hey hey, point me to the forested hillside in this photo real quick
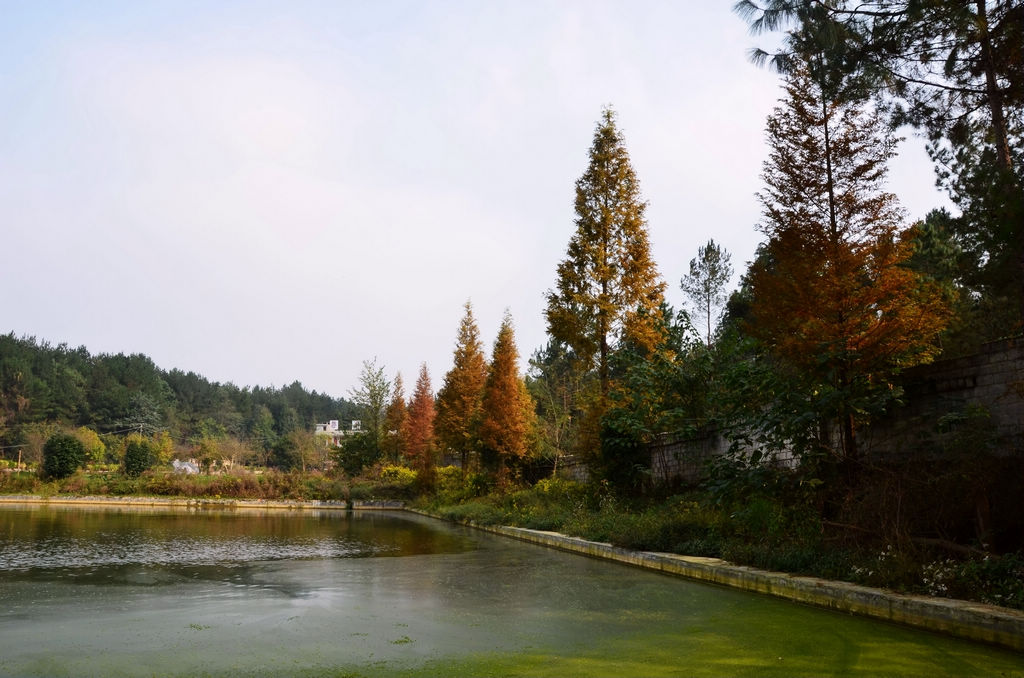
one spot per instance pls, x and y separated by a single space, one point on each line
43 387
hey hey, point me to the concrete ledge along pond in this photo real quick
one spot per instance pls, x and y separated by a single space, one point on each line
215 589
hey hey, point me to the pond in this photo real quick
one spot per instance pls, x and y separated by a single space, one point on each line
131 591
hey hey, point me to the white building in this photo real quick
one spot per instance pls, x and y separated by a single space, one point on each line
329 427
332 433
189 468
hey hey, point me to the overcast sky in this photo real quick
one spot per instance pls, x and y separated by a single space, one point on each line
264 192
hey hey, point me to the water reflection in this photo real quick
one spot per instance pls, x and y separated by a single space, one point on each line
97 545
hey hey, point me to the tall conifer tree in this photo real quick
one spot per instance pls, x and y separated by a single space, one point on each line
419 429
705 284
608 287
832 294
460 400
955 70
508 421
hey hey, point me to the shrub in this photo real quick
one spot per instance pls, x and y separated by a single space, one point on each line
454 486
95 449
479 512
138 457
19 482
166 484
994 580
76 483
398 475
62 454
388 482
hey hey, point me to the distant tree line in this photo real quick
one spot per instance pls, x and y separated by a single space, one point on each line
43 386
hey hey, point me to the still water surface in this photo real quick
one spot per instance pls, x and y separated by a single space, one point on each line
139 592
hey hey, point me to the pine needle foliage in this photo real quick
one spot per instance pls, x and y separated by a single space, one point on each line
705 284
833 296
460 400
509 421
419 429
608 288
954 69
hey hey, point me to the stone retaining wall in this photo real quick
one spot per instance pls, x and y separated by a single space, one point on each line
992 380
685 460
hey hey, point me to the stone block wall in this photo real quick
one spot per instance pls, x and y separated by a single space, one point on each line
684 460
991 380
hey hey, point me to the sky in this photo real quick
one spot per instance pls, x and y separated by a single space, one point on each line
265 192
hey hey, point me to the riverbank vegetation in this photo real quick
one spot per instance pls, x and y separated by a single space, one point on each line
788 373
391 483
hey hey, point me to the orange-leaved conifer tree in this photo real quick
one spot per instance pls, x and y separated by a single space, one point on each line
419 429
460 400
394 420
833 297
507 430
608 287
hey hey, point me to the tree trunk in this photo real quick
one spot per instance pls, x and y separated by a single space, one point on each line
850 450
602 328
708 309
1020 267
847 425
1000 134
830 180
994 95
